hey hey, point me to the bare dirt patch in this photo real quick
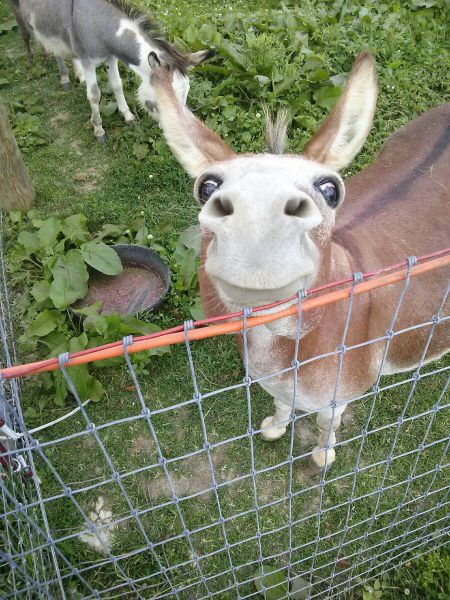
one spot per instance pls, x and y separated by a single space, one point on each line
142 446
60 119
88 179
189 476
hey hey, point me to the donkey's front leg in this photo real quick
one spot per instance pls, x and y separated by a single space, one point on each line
78 68
277 423
328 420
94 96
116 84
64 74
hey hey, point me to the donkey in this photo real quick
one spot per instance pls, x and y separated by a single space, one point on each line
24 31
92 32
275 224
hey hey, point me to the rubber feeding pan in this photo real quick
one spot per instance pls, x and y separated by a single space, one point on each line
142 285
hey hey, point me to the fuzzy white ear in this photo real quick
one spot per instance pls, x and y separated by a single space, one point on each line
194 144
345 130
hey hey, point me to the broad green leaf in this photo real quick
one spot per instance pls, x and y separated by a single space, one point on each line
61 390
109 108
48 232
96 323
132 325
318 75
101 257
273 579
40 291
229 112
70 277
74 228
141 235
300 589
110 230
93 309
3 81
7 25
188 268
140 151
16 216
231 52
56 343
30 413
190 238
327 96
29 240
94 389
196 310
43 323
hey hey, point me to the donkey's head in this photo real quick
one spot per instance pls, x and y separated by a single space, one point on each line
268 215
178 64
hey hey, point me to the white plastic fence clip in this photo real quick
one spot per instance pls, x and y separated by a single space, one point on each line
248 311
188 326
127 341
63 359
411 261
302 294
357 277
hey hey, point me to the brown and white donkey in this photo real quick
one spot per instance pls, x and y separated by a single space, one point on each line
274 224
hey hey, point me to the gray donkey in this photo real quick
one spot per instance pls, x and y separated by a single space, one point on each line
92 32
25 32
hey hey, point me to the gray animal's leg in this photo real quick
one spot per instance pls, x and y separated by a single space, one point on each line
25 32
94 96
327 422
116 84
78 68
64 74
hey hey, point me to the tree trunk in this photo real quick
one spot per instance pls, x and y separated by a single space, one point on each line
16 191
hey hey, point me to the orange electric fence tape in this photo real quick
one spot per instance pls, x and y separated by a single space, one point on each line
169 339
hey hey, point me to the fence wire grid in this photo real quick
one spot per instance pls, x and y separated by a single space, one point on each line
140 496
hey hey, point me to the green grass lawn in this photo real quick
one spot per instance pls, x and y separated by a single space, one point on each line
134 174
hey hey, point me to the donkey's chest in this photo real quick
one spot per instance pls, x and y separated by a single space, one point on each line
270 362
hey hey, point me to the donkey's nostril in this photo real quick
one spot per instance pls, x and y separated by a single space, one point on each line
297 207
221 207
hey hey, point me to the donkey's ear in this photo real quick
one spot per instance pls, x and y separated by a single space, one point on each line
153 60
344 132
193 143
196 58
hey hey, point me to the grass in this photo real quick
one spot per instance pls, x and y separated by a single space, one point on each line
109 183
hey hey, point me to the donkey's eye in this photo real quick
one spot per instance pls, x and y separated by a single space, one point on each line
207 189
330 192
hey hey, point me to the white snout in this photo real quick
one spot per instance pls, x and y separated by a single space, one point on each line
260 220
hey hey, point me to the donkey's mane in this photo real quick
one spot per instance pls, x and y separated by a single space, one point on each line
176 59
276 131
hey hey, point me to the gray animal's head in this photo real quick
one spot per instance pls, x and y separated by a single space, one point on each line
178 64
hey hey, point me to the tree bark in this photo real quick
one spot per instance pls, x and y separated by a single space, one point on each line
16 191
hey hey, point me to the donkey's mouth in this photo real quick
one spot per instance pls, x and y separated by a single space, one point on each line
237 297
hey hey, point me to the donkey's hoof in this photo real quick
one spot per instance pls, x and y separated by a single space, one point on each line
323 458
66 87
275 431
101 139
129 117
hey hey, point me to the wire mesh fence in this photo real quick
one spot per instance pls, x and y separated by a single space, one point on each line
179 497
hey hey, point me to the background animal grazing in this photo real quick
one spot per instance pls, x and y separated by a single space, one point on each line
24 31
92 32
275 224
